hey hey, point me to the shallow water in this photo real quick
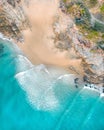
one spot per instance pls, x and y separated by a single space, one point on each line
34 98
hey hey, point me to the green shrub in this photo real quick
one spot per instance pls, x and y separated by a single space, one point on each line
101 44
102 36
92 34
102 8
99 27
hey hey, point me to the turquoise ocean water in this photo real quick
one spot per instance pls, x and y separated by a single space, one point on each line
36 98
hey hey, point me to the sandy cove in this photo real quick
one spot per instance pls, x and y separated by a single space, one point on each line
38 46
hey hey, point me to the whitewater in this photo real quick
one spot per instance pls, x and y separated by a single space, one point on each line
37 97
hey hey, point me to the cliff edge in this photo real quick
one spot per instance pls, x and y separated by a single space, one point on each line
78 27
13 19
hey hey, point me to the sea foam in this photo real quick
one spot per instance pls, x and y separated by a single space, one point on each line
37 97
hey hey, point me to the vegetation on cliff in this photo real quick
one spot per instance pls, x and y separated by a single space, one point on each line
79 22
82 12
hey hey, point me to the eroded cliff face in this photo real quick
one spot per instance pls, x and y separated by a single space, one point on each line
13 19
76 27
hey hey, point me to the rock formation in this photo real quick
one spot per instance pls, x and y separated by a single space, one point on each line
73 28
13 19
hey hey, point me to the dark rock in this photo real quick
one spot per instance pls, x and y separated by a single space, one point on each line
76 85
76 80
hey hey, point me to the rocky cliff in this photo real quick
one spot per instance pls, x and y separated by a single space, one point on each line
77 27
13 19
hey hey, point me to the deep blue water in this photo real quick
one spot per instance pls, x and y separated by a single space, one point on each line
35 98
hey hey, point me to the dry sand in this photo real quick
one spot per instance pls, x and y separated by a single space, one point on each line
38 41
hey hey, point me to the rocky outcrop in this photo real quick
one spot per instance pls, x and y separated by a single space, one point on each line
12 19
92 56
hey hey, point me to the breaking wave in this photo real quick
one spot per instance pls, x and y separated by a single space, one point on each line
36 97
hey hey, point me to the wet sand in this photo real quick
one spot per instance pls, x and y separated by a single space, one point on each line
38 46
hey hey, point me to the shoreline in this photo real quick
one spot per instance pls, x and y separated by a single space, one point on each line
64 72
39 45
